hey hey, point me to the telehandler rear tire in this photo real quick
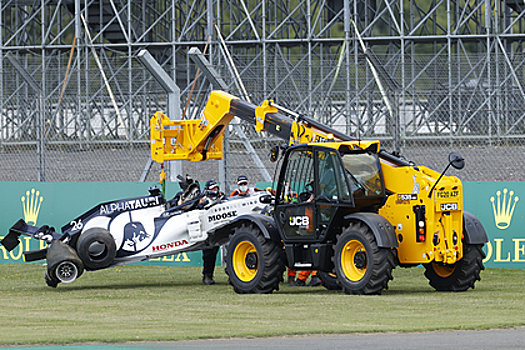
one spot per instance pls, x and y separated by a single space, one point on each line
254 263
360 265
460 276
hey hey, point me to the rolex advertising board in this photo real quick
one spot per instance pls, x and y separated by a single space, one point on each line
496 204
499 208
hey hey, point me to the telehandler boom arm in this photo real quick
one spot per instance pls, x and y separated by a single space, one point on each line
201 139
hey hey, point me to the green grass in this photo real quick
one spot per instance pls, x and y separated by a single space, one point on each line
138 303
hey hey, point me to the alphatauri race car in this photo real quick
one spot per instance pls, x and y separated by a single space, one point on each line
133 230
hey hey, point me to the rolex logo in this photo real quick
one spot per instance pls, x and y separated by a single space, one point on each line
503 208
31 204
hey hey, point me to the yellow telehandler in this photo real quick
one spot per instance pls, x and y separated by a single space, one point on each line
342 206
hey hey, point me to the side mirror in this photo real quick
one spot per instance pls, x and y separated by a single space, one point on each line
266 199
456 161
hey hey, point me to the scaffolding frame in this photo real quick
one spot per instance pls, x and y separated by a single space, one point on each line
458 67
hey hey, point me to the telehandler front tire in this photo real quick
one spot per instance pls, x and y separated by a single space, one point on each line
254 263
360 265
460 276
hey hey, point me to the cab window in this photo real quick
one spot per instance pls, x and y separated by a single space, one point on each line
298 179
332 182
364 174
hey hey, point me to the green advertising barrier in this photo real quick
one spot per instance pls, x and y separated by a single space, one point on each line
56 203
496 204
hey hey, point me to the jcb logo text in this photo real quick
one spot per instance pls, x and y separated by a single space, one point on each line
449 206
299 221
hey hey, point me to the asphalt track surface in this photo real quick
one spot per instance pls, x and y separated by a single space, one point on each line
479 340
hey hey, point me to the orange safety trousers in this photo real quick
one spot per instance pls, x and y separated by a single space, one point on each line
303 275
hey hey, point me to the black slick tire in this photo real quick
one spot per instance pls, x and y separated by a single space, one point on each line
63 264
97 248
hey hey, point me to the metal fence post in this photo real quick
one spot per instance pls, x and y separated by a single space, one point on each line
173 91
41 118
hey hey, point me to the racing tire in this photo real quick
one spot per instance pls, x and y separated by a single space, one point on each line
460 276
361 267
254 263
63 264
329 280
97 248
66 271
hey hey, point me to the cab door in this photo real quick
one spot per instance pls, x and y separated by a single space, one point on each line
332 196
311 189
295 208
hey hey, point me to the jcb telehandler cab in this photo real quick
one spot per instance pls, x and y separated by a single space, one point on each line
332 223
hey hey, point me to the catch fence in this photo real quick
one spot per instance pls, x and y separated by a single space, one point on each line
74 129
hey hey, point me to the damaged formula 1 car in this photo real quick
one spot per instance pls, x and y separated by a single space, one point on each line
136 229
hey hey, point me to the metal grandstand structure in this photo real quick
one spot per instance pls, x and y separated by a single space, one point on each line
76 102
